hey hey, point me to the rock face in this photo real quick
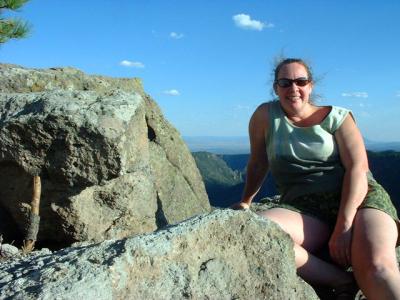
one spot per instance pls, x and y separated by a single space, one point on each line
223 255
110 164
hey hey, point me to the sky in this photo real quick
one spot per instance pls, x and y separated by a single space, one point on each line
208 64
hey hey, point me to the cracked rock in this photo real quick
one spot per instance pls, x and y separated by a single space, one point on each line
103 150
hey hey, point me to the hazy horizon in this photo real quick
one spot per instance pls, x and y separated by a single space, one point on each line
240 144
366 139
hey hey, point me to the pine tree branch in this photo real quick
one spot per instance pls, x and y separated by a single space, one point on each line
13 29
12 4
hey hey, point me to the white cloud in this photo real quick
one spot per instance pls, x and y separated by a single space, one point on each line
176 36
398 94
356 94
132 64
172 92
245 22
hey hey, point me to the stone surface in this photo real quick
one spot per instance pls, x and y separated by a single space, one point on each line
17 79
223 255
111 165
7 250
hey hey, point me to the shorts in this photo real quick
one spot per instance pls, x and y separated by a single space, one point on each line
325 206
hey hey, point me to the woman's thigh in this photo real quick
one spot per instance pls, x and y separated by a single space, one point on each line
375 235
306 231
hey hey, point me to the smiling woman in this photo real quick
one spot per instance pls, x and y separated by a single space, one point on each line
329 197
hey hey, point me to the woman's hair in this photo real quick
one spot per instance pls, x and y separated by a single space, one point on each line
287 61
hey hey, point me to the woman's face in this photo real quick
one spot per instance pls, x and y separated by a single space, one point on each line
294 97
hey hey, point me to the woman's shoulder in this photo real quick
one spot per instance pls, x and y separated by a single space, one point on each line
266 107
340 111
336 117
260 118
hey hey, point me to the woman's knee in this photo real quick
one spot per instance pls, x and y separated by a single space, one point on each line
276 217
283 220
376 268
304 230
373 248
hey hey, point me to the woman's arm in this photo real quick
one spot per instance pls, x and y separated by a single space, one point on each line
355 186
257 165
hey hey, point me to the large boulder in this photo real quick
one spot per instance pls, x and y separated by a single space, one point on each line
223 255
110 164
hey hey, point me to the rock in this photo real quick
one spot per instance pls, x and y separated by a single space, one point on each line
223 255
7 250
16 79
111 165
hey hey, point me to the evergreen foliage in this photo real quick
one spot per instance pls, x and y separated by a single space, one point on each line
12 28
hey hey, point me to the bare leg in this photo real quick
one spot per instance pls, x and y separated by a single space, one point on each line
373 254
309 235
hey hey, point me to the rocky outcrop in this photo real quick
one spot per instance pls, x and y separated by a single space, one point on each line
16 79
111 165
223 255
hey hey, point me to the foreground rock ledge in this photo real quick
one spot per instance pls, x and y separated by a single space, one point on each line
223 255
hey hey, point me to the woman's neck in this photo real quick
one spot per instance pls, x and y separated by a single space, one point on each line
310 116
300 115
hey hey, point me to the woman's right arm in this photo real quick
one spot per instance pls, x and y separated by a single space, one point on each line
257 165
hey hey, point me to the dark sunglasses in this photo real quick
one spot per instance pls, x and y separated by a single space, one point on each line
286 82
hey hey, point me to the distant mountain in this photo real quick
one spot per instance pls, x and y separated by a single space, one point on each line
218 144
224 178
224 185
236 162
215 170
240 144
381 146
386 169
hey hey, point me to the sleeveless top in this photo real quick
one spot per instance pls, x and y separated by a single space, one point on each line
304 160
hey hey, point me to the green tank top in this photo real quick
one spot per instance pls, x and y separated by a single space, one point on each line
304 160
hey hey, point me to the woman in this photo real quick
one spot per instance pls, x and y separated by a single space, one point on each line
318 160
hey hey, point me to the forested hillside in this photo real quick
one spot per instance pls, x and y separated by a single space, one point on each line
386 169
224 176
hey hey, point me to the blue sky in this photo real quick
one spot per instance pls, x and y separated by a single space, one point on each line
208 63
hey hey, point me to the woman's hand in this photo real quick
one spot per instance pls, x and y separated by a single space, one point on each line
340 246
240 206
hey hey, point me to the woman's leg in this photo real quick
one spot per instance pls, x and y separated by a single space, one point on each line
309 235
373 254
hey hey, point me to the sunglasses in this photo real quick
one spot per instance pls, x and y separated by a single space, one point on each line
286 82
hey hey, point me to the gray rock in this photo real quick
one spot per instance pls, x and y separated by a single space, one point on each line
17 79
223 255
7 250
111 165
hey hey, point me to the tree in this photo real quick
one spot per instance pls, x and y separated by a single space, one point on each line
12 28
